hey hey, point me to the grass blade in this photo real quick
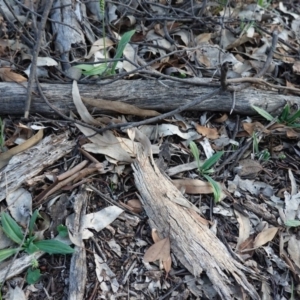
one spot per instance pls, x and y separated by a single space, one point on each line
196 154
121 46
263 113
211 161
216 188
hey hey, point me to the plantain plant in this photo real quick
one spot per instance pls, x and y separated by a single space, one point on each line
28 243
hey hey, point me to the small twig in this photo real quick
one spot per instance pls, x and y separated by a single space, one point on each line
36 51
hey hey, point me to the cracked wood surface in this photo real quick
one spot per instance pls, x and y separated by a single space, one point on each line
164 95
193 243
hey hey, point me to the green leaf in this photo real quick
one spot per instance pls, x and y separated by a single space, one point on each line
292 223
33 220
31 248
284 114
33 275
11 228
5 253
216 188
293 118
263 113
121 46
196 154
211 161
85 67
62 230
54 247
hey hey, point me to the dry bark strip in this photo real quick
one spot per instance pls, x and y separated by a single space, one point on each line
163 95
193 243
32 161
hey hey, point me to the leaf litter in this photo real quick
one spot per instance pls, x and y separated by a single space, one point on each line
85 180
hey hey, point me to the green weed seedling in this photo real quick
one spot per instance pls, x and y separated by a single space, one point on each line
261 155
286 117
206 170
103 68
29 243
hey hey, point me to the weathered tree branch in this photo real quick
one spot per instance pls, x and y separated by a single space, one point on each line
152 94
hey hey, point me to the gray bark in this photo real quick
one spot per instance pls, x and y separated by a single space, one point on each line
151 94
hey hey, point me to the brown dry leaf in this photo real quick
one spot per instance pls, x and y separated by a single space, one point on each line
120 107
296 67
210 133
6 156
81 109
135 134
6 74
167 264
291 133
247 244
265 236
193 186
155 236
158 251
254 127
135 205
99 45
249 167
244 228
294 250
221 119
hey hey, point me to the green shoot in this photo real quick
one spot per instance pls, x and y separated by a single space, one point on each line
284 118
100 68
31 245
263 113
206 168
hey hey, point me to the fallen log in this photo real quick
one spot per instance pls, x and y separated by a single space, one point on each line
192 242
163 95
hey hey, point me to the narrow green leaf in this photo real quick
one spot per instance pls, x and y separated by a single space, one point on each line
292 223
196 154
216 188
11 228
211 161
5 253
85 67
33 220
33 275
263 113
284 114
54 247
293 118
121 46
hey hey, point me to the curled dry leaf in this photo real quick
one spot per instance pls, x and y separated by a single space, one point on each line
249 167
210 133
222 119
193 186
155 236
120 107
136 205
158 251
8 75
254 127
265 236
81 109
6 156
